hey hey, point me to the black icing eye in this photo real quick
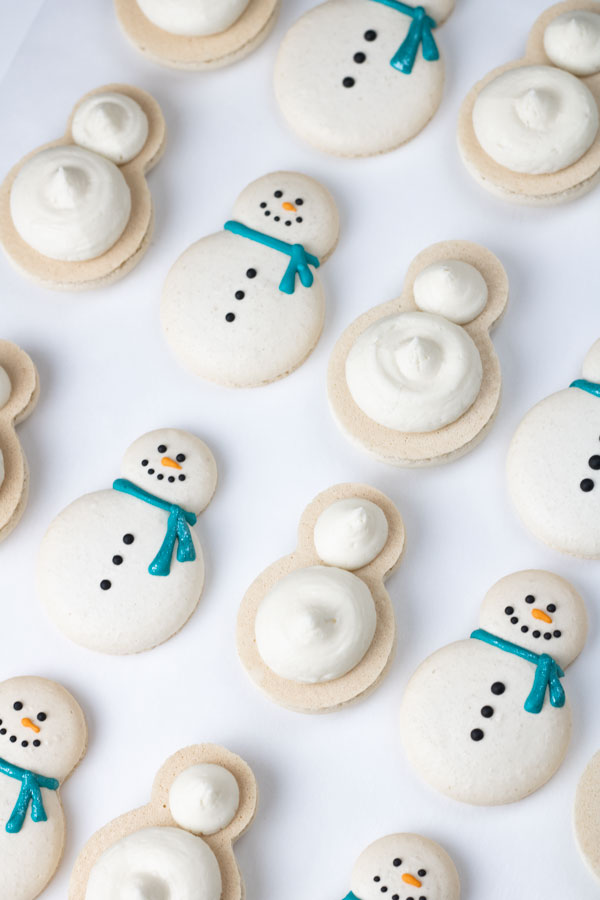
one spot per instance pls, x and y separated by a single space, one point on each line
144 462
128 539
422 873
42 717
298 201
161 448
586 485
251 273
397 862
370 35
529 598
18 705
348 82
509 610
551 607
182 477
278 194
230 317
359 57
263 205
180 457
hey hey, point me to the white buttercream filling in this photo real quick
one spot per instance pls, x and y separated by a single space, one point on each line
69 203
414 372
451 288
572 41
315 624
535 119
204 798
350 533
112 125
193 18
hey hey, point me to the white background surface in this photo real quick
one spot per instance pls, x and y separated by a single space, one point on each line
331 784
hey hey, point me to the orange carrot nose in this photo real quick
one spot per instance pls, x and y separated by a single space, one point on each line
289 206
540 614
27 723
167 461
410 879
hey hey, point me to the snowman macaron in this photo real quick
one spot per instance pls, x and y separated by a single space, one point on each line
244 307
77 213
416 381
316 630
197 34
361 77
121 570
404 867
180 845
486 720
529 131
43 737
552 465
19 392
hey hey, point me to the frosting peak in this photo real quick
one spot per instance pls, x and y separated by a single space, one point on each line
536 108
350 533
451 288
66 187
572 41
418 358
111 124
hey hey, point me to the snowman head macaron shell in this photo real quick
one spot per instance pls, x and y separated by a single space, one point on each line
174 465
42 727
538 611
292 207
406 867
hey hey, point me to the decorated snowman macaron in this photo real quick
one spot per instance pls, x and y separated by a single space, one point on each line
19 392
197 34
316 630
553 461
78 213
486 720
529 131
361 77
404 867
121 570
180 845
43 736
244 307
416 381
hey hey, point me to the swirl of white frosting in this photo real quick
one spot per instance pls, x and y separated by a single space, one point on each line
204 798
572 41
535 119
451 288
112 125
5 387
414 372
193 18
156 864
350 533
69 203
315 624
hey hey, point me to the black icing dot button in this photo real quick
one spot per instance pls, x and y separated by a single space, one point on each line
128 539
251 273
370 35
498 688
105 584
487 712
594 462
477 734
117 560
239 295
348 82
359 57
230 317
586 485
263 205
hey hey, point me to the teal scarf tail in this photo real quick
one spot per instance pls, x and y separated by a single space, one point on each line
299 262
590 386
547 672
31 792
178 530
419 35
351 896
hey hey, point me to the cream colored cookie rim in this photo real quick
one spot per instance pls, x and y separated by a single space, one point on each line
409 448
584 171
325 697
193 52
23 398
132 242
586 819
157 813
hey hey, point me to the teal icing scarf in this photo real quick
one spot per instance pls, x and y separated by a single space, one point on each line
547 672
419 34
31 785
299 262
177 528
590 386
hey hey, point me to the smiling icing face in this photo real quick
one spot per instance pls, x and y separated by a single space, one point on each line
42 728
174 465
293 208
405 867
539 611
